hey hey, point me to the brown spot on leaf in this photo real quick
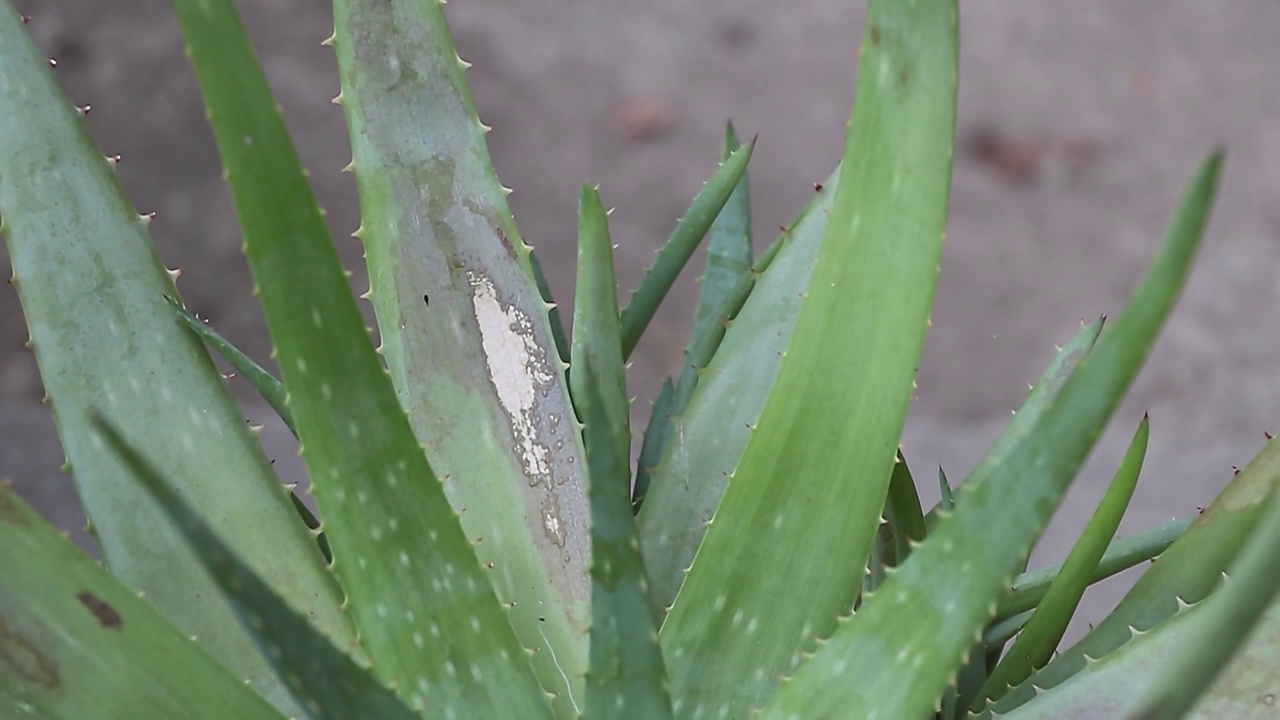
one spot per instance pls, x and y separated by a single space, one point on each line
875 34
18 653
106 615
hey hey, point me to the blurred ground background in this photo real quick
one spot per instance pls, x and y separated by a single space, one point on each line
1079 125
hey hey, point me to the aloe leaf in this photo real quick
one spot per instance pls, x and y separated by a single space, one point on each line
708 438
1029 588
1228 618
909 624
700 352
93 294
1040 636
421 600
268 387
76 643
655 440
553 311
903 511
474 366
1113 684
684 240
844 386
626 676
326 681
271 389
1186 573
728 247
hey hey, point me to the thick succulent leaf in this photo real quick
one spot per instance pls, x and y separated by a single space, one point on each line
93 293
728 248
271 389
626 676
475 365
1229 617
422 602
325 679
76 643
1186 573
684 240
707 440
1040 636
844 386
1029 588
903 513
908 640
655 440
553 312
1112 685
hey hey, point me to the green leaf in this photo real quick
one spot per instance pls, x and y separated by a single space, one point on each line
728 249
271 389
76 643
1029 588
1186 573
655 440
680 246
93 294
1040 637
707 439
844 385
626 676
475 365
1227 619
326 681
421 600
553 311
905 644
1141 642
903 512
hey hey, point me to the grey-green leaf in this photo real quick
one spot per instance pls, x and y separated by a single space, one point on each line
1040 636
76 643
326 681
93 294
901 650
626 676
680 246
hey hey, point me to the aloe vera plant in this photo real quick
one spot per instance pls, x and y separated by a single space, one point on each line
486 546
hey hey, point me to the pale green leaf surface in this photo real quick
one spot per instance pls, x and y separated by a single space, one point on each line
626 676
76 643
476 367
1185 573
750 603
728 248
423 604
1227 619
93 294
1029 588
655 440
707 439
271 389
899 652
1135 656
326 681
684 240
1043 631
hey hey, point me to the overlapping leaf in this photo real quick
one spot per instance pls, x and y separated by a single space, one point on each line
93 294
750 602
423 603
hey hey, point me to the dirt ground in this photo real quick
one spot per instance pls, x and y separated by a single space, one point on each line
1079 125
